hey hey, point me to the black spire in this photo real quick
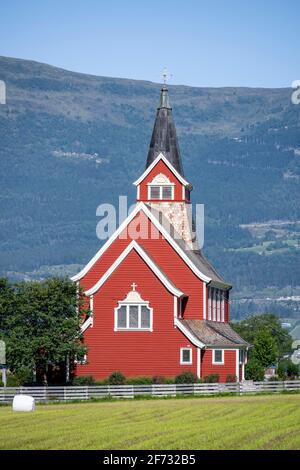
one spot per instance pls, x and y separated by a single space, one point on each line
164 137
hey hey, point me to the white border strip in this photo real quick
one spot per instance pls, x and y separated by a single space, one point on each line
169 165
141 207
134 246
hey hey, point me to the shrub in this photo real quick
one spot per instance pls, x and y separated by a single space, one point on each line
254 370
287 370
23 376
231 378
101 382
211 379
139 381
117 378
186 378
158 379
84 380
170 380
273 379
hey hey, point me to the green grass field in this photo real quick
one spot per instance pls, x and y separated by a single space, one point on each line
253 422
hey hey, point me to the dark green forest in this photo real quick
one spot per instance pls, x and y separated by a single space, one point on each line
70 141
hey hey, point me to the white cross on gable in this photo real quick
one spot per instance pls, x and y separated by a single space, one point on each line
133 285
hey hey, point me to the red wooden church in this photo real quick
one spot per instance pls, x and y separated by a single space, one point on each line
157 306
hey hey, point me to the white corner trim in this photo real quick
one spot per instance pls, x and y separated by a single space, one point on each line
141 207
86 324
198 363
204 301
188 334
107 244
175 307
237 369
169 165
135 246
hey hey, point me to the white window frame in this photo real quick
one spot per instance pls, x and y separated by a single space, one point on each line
133 304
218 363
182 362
160 186
83 361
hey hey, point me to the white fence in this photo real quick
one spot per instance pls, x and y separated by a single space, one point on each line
50 394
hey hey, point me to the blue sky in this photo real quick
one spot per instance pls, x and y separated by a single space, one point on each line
202 43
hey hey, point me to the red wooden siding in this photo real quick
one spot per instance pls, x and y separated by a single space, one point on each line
160 167
134 353
229 367
166 258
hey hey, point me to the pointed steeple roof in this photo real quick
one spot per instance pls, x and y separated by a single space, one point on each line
164 138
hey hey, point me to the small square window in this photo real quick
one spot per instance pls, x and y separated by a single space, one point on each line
218 357
155 192
185 356
167 192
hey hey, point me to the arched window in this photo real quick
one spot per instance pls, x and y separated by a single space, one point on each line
133 313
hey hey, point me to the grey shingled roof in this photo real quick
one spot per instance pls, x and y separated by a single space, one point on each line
214 334
196 256
164 138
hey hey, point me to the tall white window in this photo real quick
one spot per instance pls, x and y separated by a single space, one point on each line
209 303
216 304
218 300
222 306
133 313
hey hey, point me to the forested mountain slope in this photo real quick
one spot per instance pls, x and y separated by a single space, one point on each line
70 141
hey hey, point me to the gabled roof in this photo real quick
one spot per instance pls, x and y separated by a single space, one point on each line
174 243
162 157
213 334
164 138
152 265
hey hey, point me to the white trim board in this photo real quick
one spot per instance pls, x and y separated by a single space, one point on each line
142 207
86 324
169 165
198 363
135 246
